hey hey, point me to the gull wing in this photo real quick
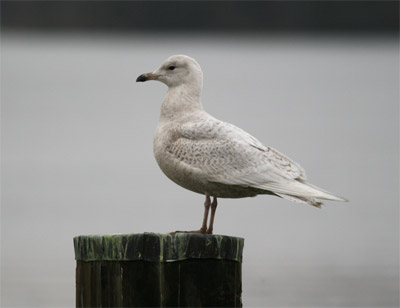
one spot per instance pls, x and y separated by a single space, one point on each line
226 154
229 155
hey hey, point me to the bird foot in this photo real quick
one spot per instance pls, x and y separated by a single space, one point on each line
201 231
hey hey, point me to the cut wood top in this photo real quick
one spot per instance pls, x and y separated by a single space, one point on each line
156 247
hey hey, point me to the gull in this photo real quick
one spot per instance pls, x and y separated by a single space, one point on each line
215 158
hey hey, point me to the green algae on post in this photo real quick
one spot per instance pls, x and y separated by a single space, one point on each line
158 270
157 247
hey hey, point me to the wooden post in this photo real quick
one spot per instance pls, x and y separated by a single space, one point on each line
158 270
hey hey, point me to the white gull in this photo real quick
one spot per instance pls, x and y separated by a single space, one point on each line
215 158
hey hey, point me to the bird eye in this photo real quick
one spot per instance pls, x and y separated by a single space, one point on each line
171 68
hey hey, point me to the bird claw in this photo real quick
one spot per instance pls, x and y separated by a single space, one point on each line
201 231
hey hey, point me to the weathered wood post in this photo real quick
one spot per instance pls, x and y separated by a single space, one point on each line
158 270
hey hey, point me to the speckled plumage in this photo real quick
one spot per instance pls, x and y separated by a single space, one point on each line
215 158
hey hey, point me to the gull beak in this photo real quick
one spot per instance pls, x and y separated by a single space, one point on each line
147 76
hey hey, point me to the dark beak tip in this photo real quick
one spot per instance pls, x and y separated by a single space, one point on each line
141 78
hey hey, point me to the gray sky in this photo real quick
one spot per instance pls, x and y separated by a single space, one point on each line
77 159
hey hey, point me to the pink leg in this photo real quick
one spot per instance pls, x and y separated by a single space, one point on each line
203 228
213 209
207 205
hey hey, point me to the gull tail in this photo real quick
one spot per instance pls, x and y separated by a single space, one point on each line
310 201
327 195
301 192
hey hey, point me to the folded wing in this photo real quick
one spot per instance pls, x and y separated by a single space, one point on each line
229 155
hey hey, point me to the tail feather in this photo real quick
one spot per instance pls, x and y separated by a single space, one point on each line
329 195
299 190
310 201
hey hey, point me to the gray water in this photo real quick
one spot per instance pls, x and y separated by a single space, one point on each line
77 159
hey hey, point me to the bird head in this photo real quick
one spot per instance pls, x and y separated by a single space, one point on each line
175 71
